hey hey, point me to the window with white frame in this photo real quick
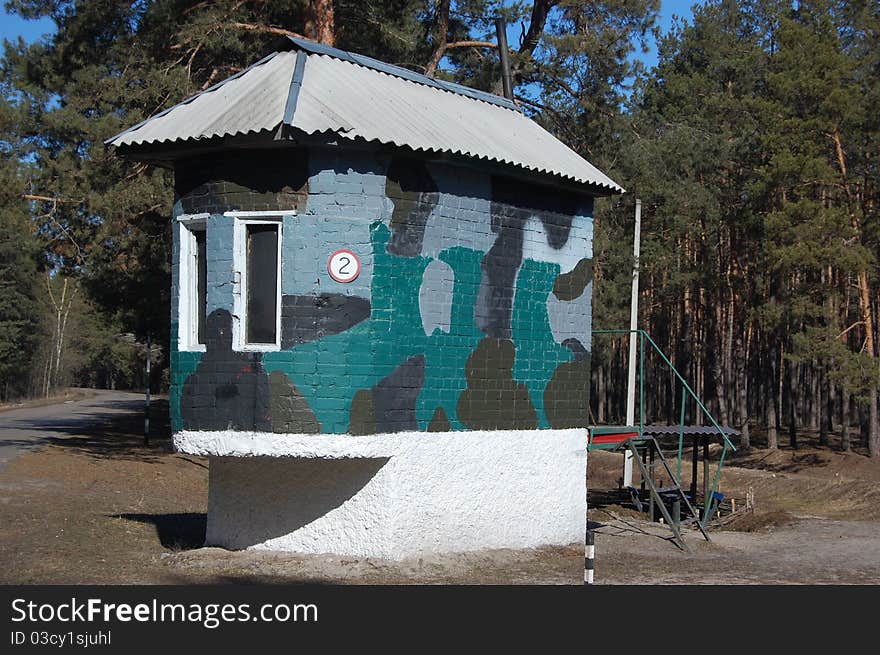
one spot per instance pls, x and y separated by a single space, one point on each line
257 263
193 283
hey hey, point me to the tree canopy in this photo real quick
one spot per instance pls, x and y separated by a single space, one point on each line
752 144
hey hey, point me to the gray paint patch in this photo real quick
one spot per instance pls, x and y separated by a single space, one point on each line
516 205
414 193
435 297
461 217
571 320
394 398
578 246
221 279
229 390
494 306
309 317
310 239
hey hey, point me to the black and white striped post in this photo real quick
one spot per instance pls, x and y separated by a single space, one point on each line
589 557
589 547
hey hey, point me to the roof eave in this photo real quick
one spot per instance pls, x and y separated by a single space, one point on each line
167 153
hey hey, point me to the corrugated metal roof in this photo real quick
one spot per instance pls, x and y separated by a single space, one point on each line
251 101
356 97
397 71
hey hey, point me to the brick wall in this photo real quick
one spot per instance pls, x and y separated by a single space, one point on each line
472 309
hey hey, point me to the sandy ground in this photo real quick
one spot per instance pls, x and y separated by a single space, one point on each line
102 508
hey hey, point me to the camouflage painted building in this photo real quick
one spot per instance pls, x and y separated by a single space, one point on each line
460 232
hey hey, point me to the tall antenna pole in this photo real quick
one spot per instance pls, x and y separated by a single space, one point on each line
501 30
633 325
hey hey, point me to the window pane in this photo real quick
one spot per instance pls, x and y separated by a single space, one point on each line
201 283
262 283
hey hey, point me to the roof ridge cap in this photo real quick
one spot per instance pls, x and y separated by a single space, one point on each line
313 47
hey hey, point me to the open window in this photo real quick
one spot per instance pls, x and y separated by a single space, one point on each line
193 284
258 293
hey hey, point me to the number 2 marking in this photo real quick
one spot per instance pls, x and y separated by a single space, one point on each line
344 266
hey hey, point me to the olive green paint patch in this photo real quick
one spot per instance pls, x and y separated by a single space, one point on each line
439 422
493 399
363 413
571 285
567 396
288 408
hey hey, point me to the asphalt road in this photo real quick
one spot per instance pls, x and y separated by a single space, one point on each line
27 428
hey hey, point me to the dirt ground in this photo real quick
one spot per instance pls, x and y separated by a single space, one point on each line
103 508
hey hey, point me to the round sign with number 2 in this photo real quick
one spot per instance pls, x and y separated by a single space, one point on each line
344 266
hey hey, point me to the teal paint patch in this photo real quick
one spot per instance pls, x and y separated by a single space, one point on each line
447 354
330 371
343 208
183 364
537 354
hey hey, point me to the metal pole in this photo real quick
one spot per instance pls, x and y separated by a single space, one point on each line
680 437
633 325
641 384
147 404
501 30
707 494
651 473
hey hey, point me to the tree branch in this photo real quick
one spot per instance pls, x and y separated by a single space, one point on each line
50 216
267 29
540 11
856 324
531 38
471 44
440 39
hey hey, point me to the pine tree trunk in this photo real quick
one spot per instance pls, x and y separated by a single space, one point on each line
775 409
814 398
824 409
791 389
742 393
833 401
845 421
320 22
873 435
873 424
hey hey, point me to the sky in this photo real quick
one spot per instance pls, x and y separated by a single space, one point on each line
668 10
11 27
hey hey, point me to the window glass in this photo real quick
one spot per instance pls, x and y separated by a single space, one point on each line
262 283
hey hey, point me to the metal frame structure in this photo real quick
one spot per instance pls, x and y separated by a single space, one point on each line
639 429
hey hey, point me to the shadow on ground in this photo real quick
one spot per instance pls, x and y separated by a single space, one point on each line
183 531
798 463
118 436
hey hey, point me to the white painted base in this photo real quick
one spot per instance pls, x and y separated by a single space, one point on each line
394 495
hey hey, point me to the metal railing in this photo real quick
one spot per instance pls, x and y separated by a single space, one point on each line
727 445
